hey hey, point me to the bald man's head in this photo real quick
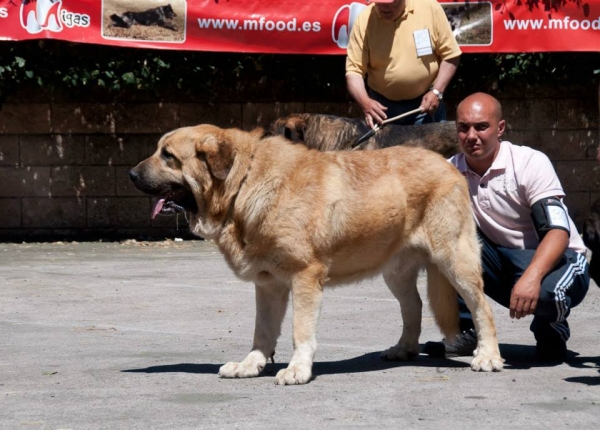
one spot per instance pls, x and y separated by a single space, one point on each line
482 101
480 126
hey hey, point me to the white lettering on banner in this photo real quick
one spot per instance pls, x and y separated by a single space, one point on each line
71 19
259 25
301 27
565 23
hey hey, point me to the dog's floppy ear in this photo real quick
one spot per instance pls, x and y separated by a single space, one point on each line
291 127
218 153
295 128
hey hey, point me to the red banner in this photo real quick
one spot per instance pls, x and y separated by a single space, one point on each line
292 26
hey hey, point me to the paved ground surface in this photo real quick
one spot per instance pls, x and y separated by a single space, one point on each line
131 336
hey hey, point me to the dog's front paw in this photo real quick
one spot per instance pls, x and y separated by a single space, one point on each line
250 367
293 375
239 370
487 363
400 353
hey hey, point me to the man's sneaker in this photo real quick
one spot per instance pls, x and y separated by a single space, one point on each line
551 351
462 345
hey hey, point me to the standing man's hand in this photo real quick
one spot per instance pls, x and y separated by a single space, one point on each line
374 112
430 103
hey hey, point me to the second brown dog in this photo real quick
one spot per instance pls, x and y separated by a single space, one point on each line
329 133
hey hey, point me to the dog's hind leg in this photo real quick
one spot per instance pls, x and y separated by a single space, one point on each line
401 279
271 304
307 295
462 267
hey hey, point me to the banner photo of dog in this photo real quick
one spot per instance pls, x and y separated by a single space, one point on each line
309 27
154 20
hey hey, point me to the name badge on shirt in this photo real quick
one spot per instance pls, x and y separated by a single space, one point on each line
422 42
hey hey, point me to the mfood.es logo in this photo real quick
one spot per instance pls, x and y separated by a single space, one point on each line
38 15
342 23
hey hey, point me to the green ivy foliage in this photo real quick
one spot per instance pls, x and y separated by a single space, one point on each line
501 71
55 66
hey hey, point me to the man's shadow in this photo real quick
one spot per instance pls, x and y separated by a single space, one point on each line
580 362
523 357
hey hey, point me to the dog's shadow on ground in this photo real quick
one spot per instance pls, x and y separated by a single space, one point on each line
178 368
370 362
520 357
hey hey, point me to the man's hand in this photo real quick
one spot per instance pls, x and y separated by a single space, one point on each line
429 103
374 112
526 292
524 297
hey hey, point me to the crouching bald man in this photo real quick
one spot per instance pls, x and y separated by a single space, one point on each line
532 255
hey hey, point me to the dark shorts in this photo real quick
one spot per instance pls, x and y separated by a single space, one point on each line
395 108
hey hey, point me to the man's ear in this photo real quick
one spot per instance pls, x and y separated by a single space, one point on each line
501 127
218 153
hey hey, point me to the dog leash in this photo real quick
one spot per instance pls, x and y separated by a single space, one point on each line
377 127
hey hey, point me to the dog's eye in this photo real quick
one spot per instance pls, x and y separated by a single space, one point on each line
166 155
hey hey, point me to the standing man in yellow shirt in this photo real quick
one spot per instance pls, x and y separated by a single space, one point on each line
408 54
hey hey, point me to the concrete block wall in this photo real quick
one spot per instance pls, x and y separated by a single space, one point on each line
63 165
565 129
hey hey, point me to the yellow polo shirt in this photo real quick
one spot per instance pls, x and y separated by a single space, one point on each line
385 51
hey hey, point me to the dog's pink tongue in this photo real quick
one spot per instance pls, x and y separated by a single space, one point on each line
158 207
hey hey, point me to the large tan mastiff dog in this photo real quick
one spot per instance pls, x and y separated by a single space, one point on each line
294 221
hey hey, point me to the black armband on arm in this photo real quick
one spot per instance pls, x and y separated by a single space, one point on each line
547 214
